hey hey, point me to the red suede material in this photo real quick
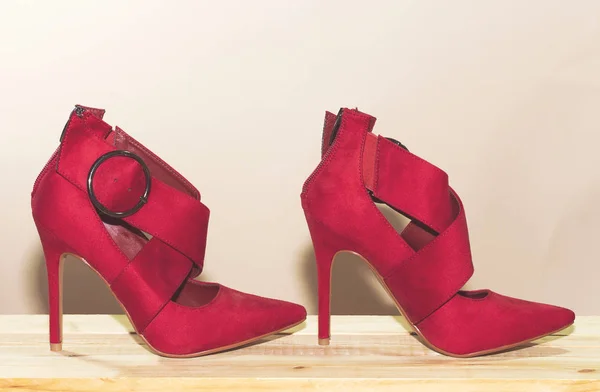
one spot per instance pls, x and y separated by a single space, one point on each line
412 185
424 270
174 217
335 196
419 291
369 166
149 281
327 129
326 245
89 123
149 277
119 183
464 325
415 236
64 210
98 113
53 250
129 239
230 318
194 295
159 168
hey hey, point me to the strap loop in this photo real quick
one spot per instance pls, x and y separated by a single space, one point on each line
406 182
170 215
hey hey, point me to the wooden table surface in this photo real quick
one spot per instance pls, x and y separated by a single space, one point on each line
368 353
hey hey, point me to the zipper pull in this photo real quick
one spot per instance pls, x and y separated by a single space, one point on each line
336 126
78 110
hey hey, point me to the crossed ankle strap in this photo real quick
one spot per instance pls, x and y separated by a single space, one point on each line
170 213
420 191
407 183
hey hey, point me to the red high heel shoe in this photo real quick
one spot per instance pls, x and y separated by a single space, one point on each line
425 266
108 200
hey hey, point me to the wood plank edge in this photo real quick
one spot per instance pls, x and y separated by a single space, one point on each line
161 384
341 325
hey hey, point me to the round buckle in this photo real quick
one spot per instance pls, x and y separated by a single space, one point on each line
90 188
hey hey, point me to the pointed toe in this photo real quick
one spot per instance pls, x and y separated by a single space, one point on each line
425 266
292 314
278 315
551 319
478 323
567 317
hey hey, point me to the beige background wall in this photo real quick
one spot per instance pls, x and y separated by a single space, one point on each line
505 95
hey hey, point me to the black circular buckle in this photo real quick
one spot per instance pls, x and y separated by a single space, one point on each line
90 188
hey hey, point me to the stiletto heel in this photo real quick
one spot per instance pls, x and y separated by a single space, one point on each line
142 227
324 293
425 266
54 252
326 247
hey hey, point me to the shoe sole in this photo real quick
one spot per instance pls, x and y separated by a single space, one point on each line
325 342
58 346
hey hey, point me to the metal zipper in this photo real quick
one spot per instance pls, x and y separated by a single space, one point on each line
78 110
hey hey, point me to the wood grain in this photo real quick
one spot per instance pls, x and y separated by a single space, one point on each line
374 353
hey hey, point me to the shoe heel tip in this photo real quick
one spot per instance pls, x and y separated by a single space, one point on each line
324 342
55 347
